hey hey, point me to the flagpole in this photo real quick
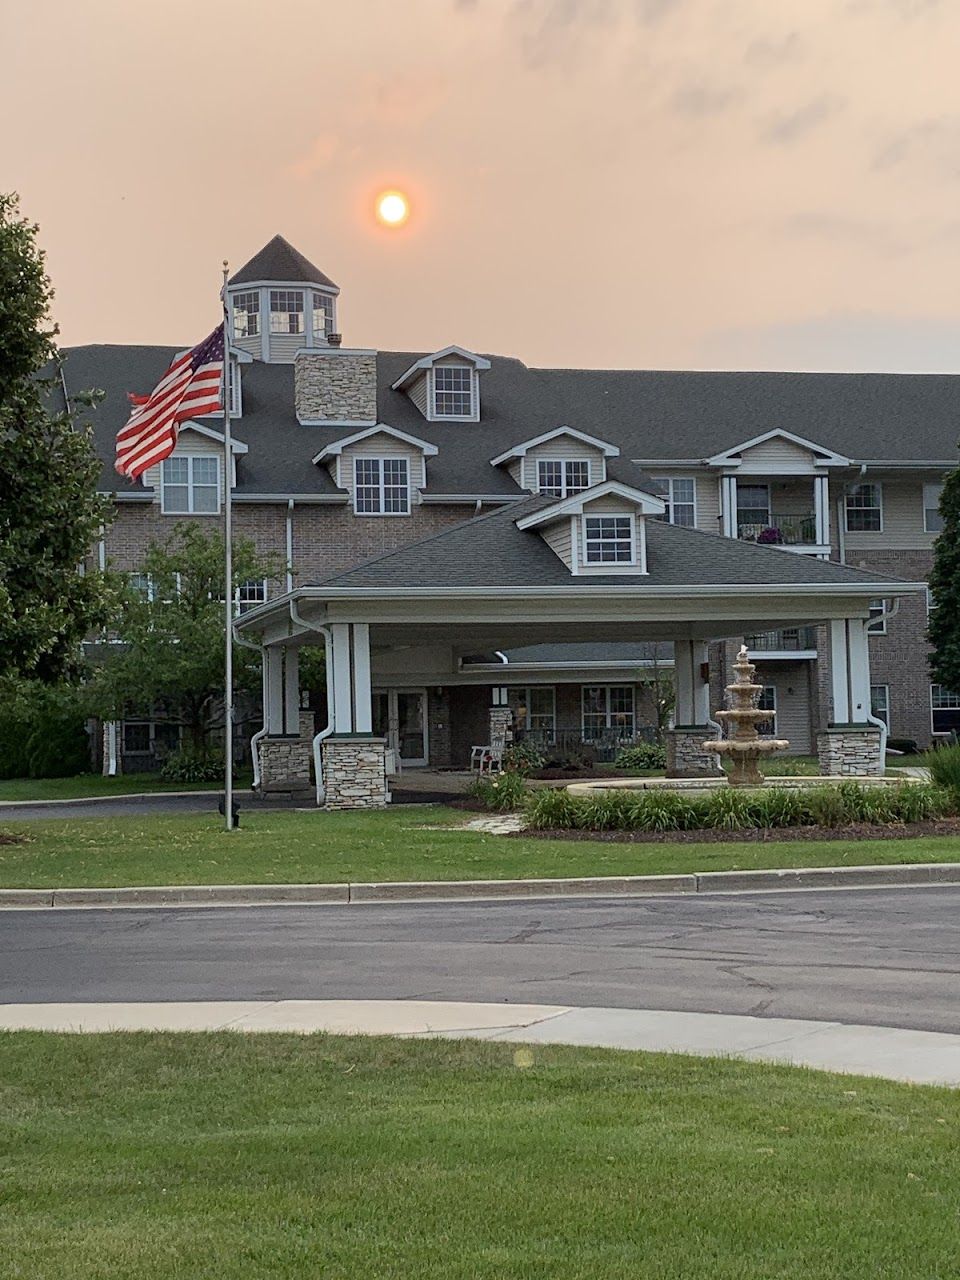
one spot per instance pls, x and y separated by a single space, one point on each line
228 571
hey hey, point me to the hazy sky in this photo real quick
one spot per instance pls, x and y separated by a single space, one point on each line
633 183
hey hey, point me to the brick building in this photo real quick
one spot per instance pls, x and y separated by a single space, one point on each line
343 455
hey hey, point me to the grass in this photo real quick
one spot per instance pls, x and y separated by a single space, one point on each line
400 844
143 1156
93 784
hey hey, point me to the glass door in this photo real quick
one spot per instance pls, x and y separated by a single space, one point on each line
400 716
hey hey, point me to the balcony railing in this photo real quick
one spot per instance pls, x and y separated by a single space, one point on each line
789 640
778 530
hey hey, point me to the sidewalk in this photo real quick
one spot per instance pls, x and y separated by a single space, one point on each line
918 1057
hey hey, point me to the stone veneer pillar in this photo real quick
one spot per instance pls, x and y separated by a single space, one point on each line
501 724
285 760
850 749
686 757
354 776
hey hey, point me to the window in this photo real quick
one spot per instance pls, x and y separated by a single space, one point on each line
681 500
286 311
190 485
142 584
235 401
607 709
932 519
880 703
322 315
452 391
877 625
931 602
608 540
944 709
558 479
146 737
864 509
250 593
767 701
136 737
381 487
246 314
537 711
753 504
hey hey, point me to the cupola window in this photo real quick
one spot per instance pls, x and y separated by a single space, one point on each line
322 315
286 311
452 391
246 314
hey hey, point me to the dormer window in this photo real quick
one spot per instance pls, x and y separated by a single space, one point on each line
286 311
560 478
246 314
381 487
322 316
453 391
610 539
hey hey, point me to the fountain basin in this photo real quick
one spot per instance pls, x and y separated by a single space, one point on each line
702 786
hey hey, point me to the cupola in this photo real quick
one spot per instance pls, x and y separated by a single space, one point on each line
279 303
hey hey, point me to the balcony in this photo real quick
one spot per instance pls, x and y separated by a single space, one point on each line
770 529
790 640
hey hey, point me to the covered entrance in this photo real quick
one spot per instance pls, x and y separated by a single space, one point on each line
400 717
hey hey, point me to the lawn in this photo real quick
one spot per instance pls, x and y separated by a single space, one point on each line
93 784
283 847
145 1156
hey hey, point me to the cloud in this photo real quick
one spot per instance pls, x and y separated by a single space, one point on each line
698 100
906 9
767 53
787 128
552 30
933 145
848 231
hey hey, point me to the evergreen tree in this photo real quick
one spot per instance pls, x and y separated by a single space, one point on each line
50 513
943 628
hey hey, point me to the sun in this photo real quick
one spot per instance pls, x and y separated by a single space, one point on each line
393 208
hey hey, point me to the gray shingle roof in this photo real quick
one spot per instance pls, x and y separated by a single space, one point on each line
490 551
279 260
647 414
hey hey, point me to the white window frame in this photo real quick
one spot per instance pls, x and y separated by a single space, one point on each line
669 499
883 713
380 459
235 307
151 723
768 728
931 603
606 710
592 566
190 459
331 320
144 588
551 731
242 606
566 491
236 391
435 414
276 331
878 489
877 622
753 484
955 697
929 506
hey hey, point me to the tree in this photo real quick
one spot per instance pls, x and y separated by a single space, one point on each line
943 628
169 649
50 513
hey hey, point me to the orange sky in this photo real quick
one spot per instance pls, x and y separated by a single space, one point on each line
639 183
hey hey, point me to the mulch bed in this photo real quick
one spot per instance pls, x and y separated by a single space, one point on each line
761 835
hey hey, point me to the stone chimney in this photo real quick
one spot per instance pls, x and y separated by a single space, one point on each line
336 384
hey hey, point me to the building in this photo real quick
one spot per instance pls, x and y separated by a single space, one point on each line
345 455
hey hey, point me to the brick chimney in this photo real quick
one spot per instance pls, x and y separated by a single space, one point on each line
336 384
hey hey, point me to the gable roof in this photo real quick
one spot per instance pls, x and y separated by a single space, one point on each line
278 260
490 551
336 447
826 457
647 504
427 362
520 450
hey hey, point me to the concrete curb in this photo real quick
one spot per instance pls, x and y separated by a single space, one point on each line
712 882
124 795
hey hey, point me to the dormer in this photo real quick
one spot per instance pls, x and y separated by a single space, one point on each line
445 386
599 531
559 463
777 452
279 303
382 469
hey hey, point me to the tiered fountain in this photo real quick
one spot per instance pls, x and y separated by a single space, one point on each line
745 746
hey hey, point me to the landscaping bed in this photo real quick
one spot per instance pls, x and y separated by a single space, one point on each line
943 827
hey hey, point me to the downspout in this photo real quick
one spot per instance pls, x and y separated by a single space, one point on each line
871 718
297 617
262 732
290 544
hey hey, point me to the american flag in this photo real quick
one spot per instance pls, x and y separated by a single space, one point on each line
188 389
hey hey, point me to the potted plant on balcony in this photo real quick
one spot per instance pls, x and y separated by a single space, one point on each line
771 534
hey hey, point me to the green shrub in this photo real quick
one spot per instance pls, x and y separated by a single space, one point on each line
667 811
944 766
642 755
554 809
58 746
187 765
523 758
502 792
14 732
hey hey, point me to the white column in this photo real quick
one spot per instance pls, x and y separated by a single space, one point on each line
859 669
684 681
821 508
701 687
273 690
342 683
291 691
840 672
728 492
362 693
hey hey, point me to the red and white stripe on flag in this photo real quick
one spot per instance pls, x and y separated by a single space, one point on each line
190 388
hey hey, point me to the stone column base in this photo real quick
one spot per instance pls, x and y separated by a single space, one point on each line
850 749
354 776
285 764
686 757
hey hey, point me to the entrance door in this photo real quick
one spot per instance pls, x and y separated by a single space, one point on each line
400 715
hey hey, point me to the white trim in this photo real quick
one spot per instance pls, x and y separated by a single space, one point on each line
669 481
328 352
240 286
336 422
381 459
563 463
427 362
860 484
190 459
933 484
729 457
584 685
521 450
647 504
335 448
236 446
607 566
434 416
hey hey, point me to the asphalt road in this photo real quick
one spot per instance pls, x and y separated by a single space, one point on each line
887 957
